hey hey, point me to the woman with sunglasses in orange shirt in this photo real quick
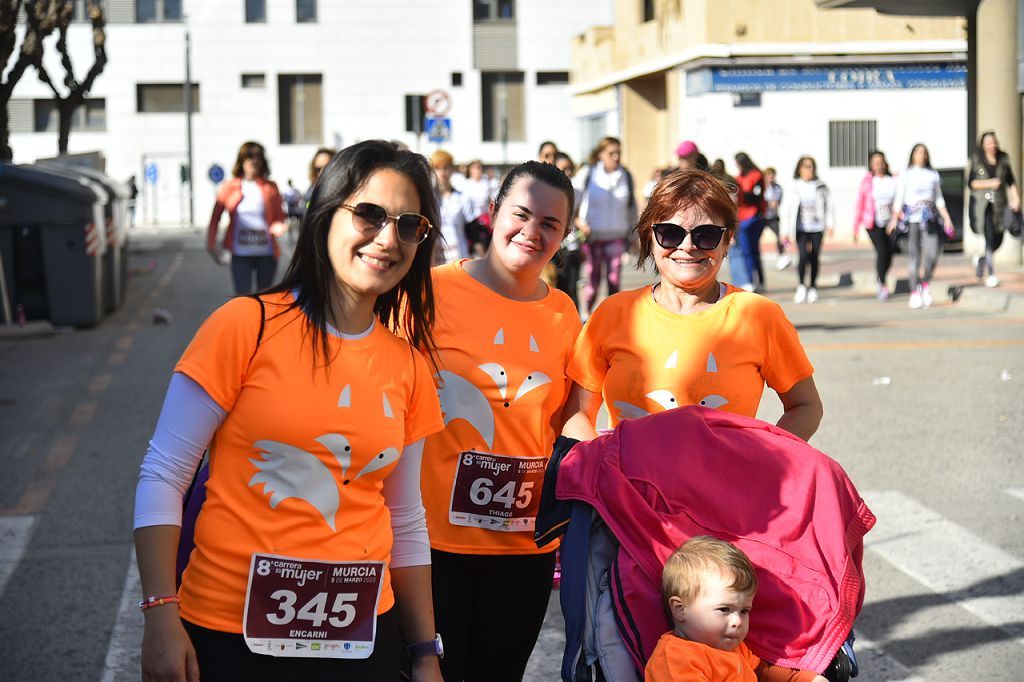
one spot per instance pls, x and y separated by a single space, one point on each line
689 339
311 556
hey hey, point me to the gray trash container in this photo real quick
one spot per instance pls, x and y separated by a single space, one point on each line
52 241
115 213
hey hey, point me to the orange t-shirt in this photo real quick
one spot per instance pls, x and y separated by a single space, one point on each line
680 660
298 464
645 359
502 386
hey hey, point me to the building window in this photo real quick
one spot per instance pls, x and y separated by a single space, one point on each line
504 106
456 79
414 113
305 11
850 142
90 116
490 10
164 98
300 108
254 81
648 10
552 78
157 11
255 11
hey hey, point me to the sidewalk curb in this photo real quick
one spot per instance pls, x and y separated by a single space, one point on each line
968 294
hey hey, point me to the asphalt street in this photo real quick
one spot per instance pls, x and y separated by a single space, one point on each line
923 408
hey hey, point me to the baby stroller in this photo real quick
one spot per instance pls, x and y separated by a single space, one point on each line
628 499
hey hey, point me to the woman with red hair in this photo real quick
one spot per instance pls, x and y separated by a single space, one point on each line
688 339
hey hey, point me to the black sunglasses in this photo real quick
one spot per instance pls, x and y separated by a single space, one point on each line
371 219
704 237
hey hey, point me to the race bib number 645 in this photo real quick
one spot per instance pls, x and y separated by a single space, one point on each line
496 492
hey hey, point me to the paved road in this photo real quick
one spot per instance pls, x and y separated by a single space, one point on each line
924 409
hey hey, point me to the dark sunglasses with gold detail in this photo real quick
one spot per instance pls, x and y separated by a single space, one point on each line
370 219
704 237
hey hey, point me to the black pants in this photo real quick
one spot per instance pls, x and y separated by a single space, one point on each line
244 267
808 245
489 611
883 252
224 656
568 278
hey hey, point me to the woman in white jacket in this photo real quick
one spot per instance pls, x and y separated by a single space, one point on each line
807 214
920 202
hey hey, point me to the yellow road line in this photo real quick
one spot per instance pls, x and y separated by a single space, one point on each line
951 344
35 496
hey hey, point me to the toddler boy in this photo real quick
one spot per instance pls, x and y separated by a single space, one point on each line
708 586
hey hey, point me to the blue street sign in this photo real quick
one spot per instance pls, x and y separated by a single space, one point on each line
152 173
438 129
216 174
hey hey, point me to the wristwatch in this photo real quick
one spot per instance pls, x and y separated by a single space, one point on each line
432 648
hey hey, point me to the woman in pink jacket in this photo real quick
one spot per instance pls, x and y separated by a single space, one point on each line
874 210
256 219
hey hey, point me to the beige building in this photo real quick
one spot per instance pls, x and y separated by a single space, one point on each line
781 78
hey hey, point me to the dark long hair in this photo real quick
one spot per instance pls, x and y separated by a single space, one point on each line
256 150
927 155
745 164
547 173
409 307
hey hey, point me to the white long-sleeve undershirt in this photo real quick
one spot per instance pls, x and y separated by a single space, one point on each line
188 420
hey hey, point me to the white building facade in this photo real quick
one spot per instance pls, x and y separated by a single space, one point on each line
296 75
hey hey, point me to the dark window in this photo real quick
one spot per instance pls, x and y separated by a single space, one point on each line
254 80
552 77
746 99
850 142
92 115
300 108
648 10
414 113
489 10
305 11
157 11
456 79
255 11
503 106
164 98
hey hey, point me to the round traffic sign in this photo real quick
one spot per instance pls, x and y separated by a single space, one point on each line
216 173
437 103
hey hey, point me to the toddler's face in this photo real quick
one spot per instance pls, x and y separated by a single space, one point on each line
719 617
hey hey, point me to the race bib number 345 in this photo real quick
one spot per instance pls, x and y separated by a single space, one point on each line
496 492
311 609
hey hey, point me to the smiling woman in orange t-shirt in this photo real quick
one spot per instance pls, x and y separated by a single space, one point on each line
503 342
688 339
315 414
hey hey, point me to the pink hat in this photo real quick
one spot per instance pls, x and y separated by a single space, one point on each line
686 147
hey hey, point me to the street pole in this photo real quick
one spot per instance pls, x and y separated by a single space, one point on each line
188 128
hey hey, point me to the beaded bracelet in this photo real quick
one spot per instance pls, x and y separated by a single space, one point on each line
150 602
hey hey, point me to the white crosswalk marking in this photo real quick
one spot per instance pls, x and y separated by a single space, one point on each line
124 650
875 664
1016 492
15 532
945 557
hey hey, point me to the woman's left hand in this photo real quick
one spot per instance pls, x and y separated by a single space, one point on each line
279 228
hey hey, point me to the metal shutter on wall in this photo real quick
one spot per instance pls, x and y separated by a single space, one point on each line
19 115
850 142
494 46
120 11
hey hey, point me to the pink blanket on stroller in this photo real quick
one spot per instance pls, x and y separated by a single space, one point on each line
659 480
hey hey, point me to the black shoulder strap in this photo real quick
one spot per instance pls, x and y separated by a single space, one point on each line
263 323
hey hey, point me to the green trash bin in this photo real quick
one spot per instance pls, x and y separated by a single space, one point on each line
52 241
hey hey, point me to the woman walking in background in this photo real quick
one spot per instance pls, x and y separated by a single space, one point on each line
807 214
452 245
772 200
256 219
476 196
874 211
993 189
607 213
750 212
920 203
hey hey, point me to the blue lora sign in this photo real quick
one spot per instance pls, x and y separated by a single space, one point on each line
855 77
